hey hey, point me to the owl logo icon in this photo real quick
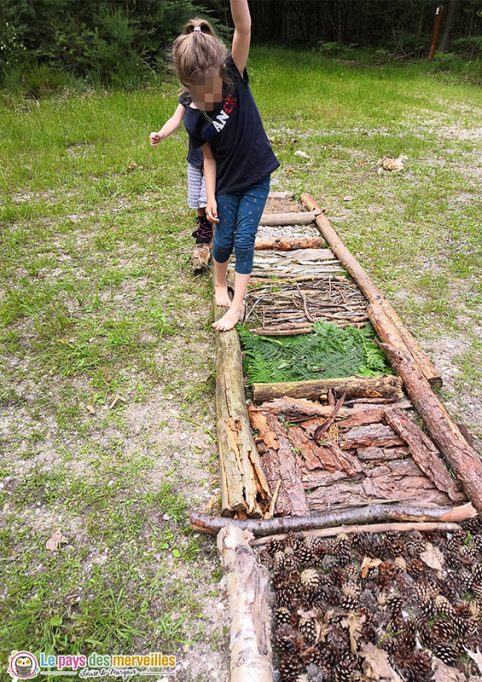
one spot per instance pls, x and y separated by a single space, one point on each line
22 665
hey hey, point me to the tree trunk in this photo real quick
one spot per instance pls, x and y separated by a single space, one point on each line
449 21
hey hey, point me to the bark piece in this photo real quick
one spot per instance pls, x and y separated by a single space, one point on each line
327 456
280 464
425 454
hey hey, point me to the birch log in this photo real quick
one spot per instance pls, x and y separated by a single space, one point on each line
247 587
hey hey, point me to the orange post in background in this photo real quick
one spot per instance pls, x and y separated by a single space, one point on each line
436 30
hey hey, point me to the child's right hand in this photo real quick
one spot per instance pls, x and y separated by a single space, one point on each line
212 211
155 138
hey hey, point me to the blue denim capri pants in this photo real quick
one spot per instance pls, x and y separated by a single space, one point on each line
239 215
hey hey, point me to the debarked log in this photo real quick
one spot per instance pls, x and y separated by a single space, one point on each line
290 218
375 513
246 582
354 387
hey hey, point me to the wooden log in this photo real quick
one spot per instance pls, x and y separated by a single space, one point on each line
463 459
301 409
371 292
246 582
200 257
289 243
370 514
425 454
292 330
291 218
354 387
244 488
279 464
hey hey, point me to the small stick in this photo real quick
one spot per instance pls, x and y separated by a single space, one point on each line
426 526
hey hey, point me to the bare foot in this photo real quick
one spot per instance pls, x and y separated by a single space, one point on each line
221 295
228 320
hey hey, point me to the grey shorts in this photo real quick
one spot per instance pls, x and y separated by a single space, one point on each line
196 187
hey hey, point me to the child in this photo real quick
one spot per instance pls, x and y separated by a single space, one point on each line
196 187
224 121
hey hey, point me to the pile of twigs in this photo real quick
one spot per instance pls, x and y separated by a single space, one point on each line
296 306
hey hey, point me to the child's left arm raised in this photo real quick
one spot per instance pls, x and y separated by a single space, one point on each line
242 33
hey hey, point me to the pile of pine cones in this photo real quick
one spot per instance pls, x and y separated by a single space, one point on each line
416 597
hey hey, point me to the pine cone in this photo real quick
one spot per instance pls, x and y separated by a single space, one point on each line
307 627
291 561
282 616
446 652
290 667
418 667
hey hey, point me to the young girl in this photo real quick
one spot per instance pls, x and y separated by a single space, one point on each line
196 186
224 121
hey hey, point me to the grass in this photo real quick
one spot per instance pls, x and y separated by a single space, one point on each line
107 377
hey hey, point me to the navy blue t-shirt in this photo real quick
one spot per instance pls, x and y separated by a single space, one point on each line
194 156
235 132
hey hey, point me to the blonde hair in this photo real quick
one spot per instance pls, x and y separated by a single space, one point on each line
196 52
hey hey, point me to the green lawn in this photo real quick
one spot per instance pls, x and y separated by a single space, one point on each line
107 376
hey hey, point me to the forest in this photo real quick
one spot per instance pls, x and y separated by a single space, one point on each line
128 41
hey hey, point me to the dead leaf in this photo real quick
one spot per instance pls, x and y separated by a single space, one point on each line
53 543
303 155
354 624
433 557
368 563
445 673
376 665
476 656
